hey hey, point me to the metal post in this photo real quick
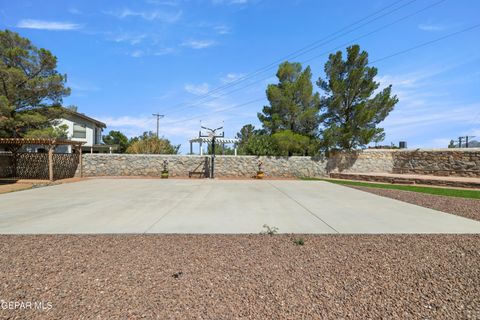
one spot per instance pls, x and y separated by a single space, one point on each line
212 175
191 147
466 142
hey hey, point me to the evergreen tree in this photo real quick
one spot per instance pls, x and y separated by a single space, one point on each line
293 105
31 89
351 114
118 138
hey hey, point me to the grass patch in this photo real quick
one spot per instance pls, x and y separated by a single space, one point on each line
459 193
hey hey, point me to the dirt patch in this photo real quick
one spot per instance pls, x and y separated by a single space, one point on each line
6 187
468 208
242 277
10 187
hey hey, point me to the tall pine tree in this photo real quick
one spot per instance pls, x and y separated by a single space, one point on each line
31 89
293 105
351 108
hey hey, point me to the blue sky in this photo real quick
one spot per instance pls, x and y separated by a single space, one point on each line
128 59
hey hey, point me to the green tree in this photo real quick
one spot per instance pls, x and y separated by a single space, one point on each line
260 145
351 114
293 105
148 143
289 143
452 144
51 132
219 150
246 132
118 138
31 89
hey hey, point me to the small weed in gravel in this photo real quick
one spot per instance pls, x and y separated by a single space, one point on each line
299 241
269 230
177 275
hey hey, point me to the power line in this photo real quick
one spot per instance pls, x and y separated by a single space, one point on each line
218 111
428 43
316 56
377 60
308 48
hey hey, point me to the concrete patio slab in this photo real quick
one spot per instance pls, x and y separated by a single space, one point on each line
218 206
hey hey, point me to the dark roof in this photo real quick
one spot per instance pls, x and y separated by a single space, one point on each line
81 115
23 141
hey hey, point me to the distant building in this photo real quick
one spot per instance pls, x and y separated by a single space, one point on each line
85 129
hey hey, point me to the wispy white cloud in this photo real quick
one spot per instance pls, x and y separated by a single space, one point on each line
431 27
129 38
198 44
47 25
167 17
164 51
178 127
231 77
221 29
172 3
198 90
137 53
230 2
128 121
75 11
83 87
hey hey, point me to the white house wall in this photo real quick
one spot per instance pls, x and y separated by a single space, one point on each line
69 120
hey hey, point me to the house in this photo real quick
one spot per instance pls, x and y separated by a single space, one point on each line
85 129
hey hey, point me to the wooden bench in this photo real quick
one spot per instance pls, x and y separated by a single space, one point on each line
200 174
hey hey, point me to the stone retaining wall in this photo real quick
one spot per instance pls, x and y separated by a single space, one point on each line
441 162
446 162
234 166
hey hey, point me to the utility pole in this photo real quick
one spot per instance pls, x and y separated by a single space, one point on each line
213 135
158 120
466 140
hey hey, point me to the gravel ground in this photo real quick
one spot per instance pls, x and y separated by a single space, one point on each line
242 276
468 208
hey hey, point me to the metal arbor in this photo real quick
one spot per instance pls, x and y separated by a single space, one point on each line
212 135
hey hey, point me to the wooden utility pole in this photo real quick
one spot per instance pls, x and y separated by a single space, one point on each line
158 120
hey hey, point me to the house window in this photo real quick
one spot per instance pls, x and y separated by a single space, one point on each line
98 135
79 131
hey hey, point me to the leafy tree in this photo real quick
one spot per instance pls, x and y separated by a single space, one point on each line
452 144
245 134
293 105
57 132
118 138
289 143
219 151
351 114
148 143
31 89
259 145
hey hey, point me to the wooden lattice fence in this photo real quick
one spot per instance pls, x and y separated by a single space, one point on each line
35 165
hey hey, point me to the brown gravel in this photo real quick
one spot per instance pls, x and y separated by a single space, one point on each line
242 276
468 208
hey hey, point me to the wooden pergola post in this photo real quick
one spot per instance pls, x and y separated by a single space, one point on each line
80 160
50 162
